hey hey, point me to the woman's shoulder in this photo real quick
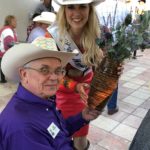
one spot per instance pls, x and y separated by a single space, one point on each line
6 31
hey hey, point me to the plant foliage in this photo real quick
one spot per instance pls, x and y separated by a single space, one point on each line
126 38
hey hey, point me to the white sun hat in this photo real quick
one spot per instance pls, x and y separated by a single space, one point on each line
71 2
22 53
45 17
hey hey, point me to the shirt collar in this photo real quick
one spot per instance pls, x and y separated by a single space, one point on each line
27 96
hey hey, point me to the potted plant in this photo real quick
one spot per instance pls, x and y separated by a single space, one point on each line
124 40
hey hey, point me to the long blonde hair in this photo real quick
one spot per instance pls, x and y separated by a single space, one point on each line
93 54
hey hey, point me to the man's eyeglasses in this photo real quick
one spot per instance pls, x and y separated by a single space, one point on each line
47 71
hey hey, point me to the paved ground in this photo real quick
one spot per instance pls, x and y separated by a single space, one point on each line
115 132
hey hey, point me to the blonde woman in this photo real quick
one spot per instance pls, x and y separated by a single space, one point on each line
77 28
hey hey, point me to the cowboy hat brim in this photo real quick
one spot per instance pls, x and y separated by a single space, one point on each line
45 17
75 2
20 54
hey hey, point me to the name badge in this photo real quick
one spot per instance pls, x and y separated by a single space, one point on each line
53 130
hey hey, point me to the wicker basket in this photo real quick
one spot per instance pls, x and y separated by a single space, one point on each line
103 84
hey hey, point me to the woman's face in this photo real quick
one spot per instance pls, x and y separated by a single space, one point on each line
77 15
14 23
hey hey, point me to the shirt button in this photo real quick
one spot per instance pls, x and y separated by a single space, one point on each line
47 109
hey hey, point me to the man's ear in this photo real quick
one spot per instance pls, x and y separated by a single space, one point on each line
22 74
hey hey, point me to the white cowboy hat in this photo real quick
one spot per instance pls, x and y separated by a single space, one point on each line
70 2
22 53
45 17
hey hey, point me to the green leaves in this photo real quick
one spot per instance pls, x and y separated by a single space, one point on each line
126 38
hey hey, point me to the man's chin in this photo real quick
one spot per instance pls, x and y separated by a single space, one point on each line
52 93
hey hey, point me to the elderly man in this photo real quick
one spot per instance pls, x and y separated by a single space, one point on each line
43 21
30 121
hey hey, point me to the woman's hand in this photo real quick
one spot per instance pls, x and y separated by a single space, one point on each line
120 69
90 114
80 88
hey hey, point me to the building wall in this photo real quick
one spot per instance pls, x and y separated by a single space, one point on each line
22 9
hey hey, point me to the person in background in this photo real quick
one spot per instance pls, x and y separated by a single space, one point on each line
77 27
32 25
43 20
31 121
139 11
110 13
8 37
46 5
141 7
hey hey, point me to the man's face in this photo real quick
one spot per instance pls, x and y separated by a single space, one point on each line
42 77
44 26
47 3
